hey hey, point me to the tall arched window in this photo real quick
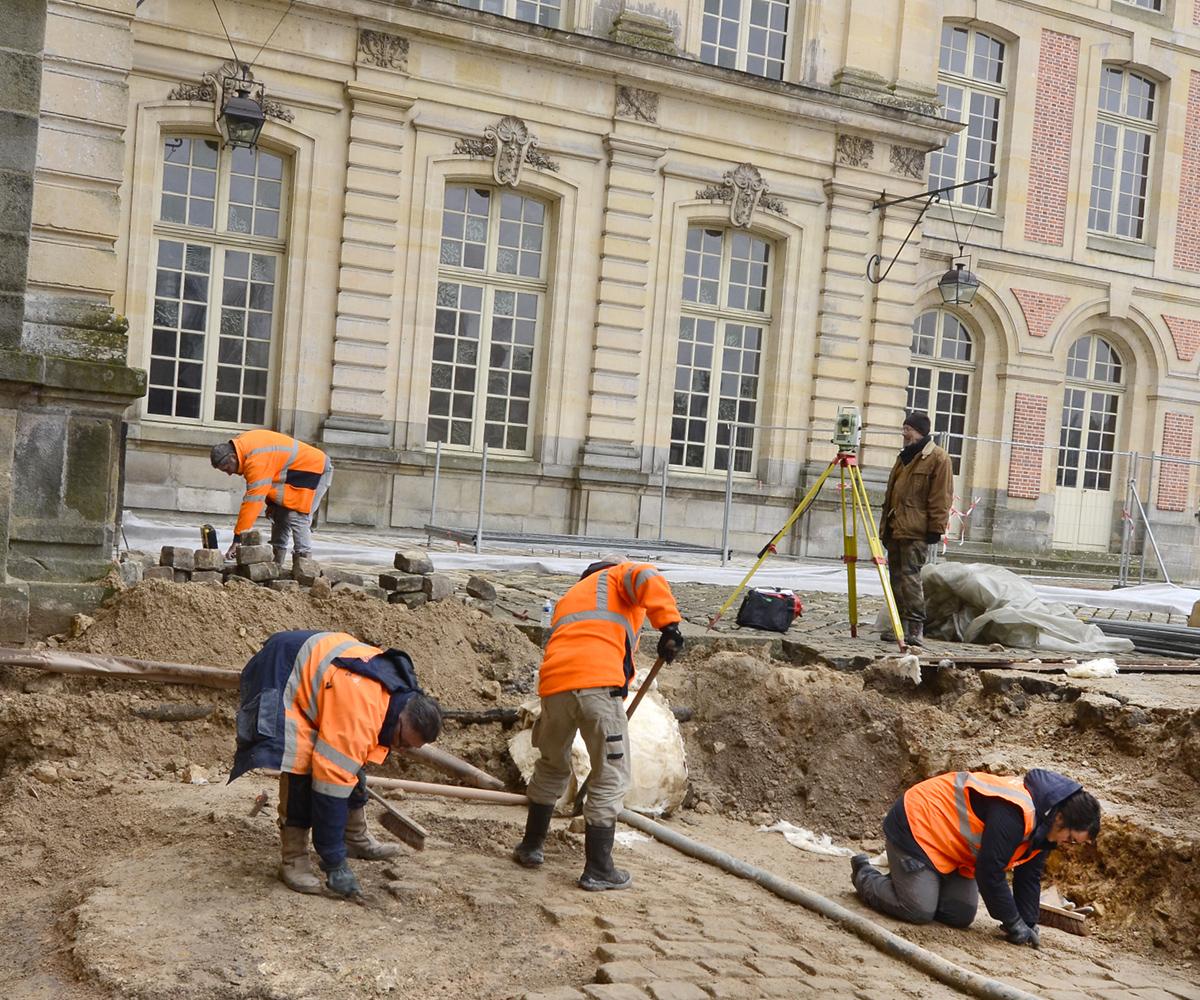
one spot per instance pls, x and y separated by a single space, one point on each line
1125 127
1088 434
939 378
972 87
726 317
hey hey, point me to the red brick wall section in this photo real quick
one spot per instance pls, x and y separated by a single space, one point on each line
1025 465
1173 479
1187 225
1040 308
1185 333
1053 122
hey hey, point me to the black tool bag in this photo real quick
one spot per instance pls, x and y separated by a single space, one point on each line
769 610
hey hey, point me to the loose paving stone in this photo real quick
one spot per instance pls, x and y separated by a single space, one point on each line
732 989
159 573
181 576
679 932
206 576
697 950
675 969
614 991
624 972
437 586
403 583
561 993
727 968
208 559
413 561
248 555
625 953
624 935
478 587
558 914
177 558
665 989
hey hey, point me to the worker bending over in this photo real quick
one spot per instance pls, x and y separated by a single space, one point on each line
287 477
583 681
951 839
318 706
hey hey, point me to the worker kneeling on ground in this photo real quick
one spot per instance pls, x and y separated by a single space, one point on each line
287 477
318 706
583 680
951 839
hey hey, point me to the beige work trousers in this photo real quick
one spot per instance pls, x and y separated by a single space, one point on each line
599 716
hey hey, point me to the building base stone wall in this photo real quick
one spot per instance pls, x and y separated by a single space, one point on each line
1020 525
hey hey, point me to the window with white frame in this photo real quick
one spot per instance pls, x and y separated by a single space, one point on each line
749 35
724 322
491 298
544 12
939 378
219 255
1125 132
1144 4
1087 438
971 88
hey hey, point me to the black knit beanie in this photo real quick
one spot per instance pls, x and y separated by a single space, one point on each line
919 422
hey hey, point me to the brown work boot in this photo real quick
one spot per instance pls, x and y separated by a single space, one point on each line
360 843
296 871
914 632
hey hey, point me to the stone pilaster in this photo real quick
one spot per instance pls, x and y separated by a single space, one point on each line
364 334
623 303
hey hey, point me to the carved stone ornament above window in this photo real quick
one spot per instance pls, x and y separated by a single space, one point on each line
908 162
854 150
744 189
640 105
378 48
209 90
510 146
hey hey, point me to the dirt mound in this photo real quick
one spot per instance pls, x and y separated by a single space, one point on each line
463 657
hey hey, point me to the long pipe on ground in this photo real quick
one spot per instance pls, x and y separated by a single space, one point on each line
894 945
449 791
450 764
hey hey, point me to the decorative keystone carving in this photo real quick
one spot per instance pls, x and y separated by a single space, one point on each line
510 145
640 105
908 162
378 48
744 189
854 150
209 89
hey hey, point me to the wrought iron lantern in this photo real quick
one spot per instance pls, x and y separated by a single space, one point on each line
958 285
243 109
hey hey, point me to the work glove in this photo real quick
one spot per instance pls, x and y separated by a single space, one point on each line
670 643
932 537
1019 932
340 879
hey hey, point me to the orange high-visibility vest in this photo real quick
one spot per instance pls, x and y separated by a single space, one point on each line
277 468
332 715
593 622
946 827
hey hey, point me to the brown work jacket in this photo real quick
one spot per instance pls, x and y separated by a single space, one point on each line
917 502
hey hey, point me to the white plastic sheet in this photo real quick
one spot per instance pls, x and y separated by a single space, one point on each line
806 840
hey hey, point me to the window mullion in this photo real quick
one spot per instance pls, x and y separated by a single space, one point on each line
743 50
212 336
483 351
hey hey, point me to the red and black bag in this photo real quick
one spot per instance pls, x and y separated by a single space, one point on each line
770 610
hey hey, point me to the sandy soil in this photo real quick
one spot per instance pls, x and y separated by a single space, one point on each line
127 879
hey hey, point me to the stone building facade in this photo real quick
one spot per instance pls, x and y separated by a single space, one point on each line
608 240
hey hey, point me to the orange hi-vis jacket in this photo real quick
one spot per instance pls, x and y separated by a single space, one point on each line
946 827
277 468
332 715
595 627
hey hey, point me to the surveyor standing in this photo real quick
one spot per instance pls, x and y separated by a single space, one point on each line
952 838
318 706
916 512
583 681
286 476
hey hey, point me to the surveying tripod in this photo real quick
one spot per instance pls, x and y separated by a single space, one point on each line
850 475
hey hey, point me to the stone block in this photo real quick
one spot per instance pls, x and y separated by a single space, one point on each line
732 989
625 953
478 587
250 555
413 561
130 572
772 967
410 601
561 993
676 970
283 586
614 991
403 583
336 576
726 968
666 989
14 613
207 576
437 587
252 537
259 572
159 573
558 913
182 576
305 570
375 593
321 589
208 560
343 587
177 558
623 972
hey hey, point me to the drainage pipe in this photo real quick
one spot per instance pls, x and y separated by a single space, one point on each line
937 967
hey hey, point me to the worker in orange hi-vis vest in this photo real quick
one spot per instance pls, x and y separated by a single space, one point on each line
583 681
285 477
953 838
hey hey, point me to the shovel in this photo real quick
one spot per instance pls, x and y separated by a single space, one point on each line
577 810
400 826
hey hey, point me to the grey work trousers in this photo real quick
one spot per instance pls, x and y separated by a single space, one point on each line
599 715
917 893
291 524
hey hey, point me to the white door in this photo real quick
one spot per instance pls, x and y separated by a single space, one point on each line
1083 498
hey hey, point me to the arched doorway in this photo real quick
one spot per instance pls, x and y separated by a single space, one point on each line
1087 441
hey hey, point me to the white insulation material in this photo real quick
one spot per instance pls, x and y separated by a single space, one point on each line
806 840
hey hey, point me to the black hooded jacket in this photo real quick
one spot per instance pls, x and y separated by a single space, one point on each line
1003 832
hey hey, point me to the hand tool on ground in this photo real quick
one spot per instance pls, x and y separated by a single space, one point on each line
577 809
846 438
398 825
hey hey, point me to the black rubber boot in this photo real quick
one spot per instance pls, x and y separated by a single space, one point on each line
528 852
857 864
598 872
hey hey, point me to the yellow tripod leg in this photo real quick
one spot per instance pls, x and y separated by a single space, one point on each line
850 549
801 507
862 502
